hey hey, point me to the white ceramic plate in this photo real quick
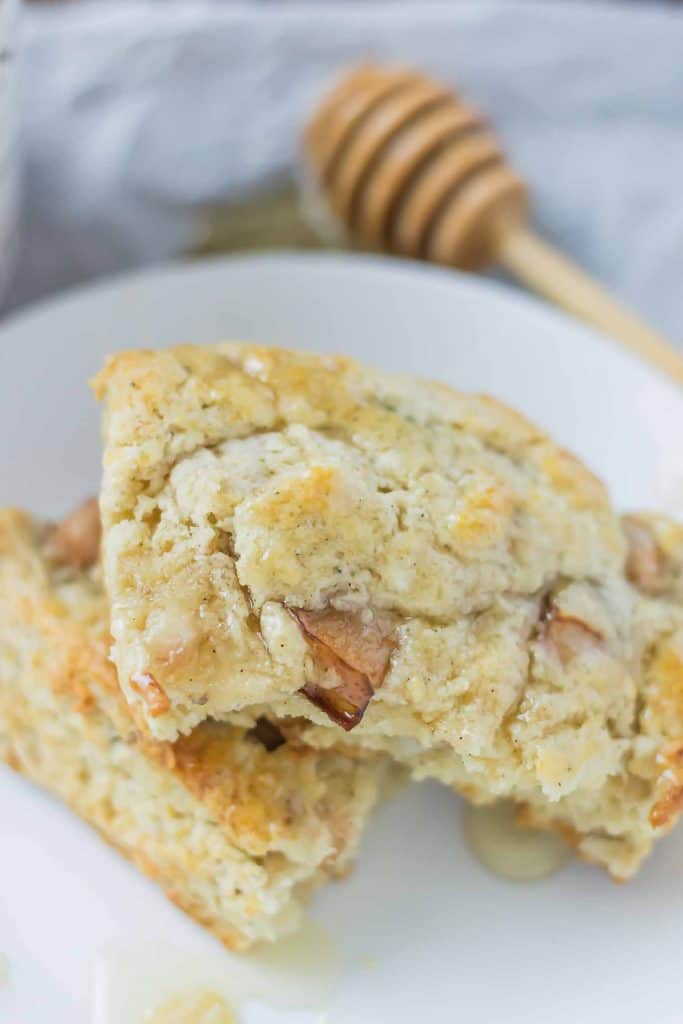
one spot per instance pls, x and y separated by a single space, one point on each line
424 932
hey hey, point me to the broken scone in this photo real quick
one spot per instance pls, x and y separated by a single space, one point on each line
421 571
236 825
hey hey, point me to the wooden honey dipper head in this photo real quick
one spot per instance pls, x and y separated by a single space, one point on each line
409 168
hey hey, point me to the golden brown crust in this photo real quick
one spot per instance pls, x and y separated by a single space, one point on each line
231 937
234 833
670 799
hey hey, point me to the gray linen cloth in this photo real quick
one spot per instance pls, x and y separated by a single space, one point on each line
139 116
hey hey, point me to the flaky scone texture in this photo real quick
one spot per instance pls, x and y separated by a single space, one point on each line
236 826
298 535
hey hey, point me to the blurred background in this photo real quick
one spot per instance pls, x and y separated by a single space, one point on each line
152 130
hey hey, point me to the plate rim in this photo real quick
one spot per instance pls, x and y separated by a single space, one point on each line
495 290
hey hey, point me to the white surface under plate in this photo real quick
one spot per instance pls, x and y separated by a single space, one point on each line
425 933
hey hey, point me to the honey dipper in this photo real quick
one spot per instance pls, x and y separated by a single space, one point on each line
408 168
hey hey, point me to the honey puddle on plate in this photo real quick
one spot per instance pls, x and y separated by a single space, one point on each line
153 983
195 1008
511 851
158 984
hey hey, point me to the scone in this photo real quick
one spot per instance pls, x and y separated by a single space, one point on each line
297 535
237 826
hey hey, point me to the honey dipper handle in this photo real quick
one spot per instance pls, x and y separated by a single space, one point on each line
548 272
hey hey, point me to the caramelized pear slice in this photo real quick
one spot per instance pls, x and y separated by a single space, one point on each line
644 562
351 657
75 541
567 635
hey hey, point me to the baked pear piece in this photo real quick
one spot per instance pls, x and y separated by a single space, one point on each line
238 826
421 571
